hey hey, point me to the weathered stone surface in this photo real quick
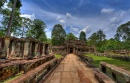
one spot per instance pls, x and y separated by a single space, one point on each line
72 46
102 78
74 71
32 75
115 71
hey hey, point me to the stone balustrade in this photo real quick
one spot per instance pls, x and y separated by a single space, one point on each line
116 73
87 60
34 76
22 48
101 77
11 68
115 56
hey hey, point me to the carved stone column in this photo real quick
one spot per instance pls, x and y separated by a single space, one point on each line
26 49
6 48
36 50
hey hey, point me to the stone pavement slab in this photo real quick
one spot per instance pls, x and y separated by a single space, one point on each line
71 70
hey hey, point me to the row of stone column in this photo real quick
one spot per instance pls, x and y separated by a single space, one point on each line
22 48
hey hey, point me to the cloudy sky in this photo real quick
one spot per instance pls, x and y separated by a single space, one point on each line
79 15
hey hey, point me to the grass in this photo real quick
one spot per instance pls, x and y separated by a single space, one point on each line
119 63
58 56
12 78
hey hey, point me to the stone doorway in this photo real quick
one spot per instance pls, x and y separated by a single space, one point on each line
71 50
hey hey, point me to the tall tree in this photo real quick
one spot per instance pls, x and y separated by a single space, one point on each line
101 36
92 39
2 3
58 35
82 36
97 39
15 4
71 36
16 23
26 23
36 30
123 32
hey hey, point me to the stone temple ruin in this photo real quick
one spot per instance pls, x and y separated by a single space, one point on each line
72 46
36 61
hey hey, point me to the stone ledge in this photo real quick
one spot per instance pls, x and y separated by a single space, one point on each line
102 78
116 71
33 74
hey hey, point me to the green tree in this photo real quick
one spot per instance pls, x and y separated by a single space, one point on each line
123 32
82 36
26 23
97 39
70 36
92 39
16 23
49 41
36 30
58 35
2 3
16 4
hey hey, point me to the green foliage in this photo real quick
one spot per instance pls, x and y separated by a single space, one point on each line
123 32
58 35
82 36
49 41
2 3
36 30
16 24
58 56
12 78
26 24
119 63
97 39
18 4
70 36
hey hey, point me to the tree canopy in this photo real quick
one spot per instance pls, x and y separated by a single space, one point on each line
58 35
97 39
36 30
82 36
71 36
16 23
123 32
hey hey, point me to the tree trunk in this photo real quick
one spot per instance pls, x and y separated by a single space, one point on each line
23 31
11 19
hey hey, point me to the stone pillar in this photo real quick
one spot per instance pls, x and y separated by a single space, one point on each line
6 48
43 50
22 49
40 49
2 43
26 49
36 53
12 49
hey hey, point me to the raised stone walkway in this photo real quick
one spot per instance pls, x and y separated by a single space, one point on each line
71 70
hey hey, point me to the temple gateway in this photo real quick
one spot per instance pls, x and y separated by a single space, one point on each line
72 46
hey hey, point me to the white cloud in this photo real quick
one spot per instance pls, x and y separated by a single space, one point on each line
68 15
107 10
86 29
74 29
62 21
106 22
58 18
30 16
